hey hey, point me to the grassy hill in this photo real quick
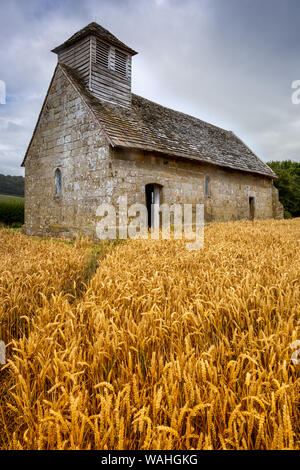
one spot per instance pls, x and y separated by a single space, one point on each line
13 185
7 198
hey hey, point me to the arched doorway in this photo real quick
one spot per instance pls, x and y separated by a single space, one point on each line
153 200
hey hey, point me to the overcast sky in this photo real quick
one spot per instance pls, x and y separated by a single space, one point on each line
228 62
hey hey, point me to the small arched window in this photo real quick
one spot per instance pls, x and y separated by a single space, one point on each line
58 181
207 186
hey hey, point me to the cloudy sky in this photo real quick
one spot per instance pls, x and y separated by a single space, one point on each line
229 62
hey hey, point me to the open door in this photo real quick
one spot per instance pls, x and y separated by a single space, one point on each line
153 196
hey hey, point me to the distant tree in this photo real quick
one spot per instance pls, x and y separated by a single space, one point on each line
12 185
288 185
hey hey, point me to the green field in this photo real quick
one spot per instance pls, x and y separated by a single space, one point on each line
11 210
6 198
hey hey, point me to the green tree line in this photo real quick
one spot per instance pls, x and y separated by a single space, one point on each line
288 185
12 185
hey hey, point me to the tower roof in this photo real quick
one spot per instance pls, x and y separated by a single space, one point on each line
96 30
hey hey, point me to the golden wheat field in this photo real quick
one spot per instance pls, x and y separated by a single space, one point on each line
164 348
30 270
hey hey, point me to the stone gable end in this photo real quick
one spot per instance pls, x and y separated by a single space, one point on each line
68 138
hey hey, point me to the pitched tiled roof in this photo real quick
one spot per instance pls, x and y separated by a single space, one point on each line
150 126
99 31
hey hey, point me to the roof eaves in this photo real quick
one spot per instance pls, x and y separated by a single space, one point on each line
96 30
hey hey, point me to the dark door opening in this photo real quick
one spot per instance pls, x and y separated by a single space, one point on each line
149 202
152 203
251 208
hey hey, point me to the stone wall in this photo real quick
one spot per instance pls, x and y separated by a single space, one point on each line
68 137
278 210
183 181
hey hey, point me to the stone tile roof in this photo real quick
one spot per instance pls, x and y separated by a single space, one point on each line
96 30
152 127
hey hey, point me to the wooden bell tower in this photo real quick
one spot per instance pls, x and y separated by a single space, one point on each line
102 61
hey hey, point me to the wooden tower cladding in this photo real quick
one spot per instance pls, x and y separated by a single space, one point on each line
102 61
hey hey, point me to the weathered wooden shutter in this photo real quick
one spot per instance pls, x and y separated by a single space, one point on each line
121 63
102 53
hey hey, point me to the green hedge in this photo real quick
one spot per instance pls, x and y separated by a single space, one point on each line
288 185
12 213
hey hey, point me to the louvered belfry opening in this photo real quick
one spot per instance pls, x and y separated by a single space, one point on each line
102 53
120 63
109 57
102 61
